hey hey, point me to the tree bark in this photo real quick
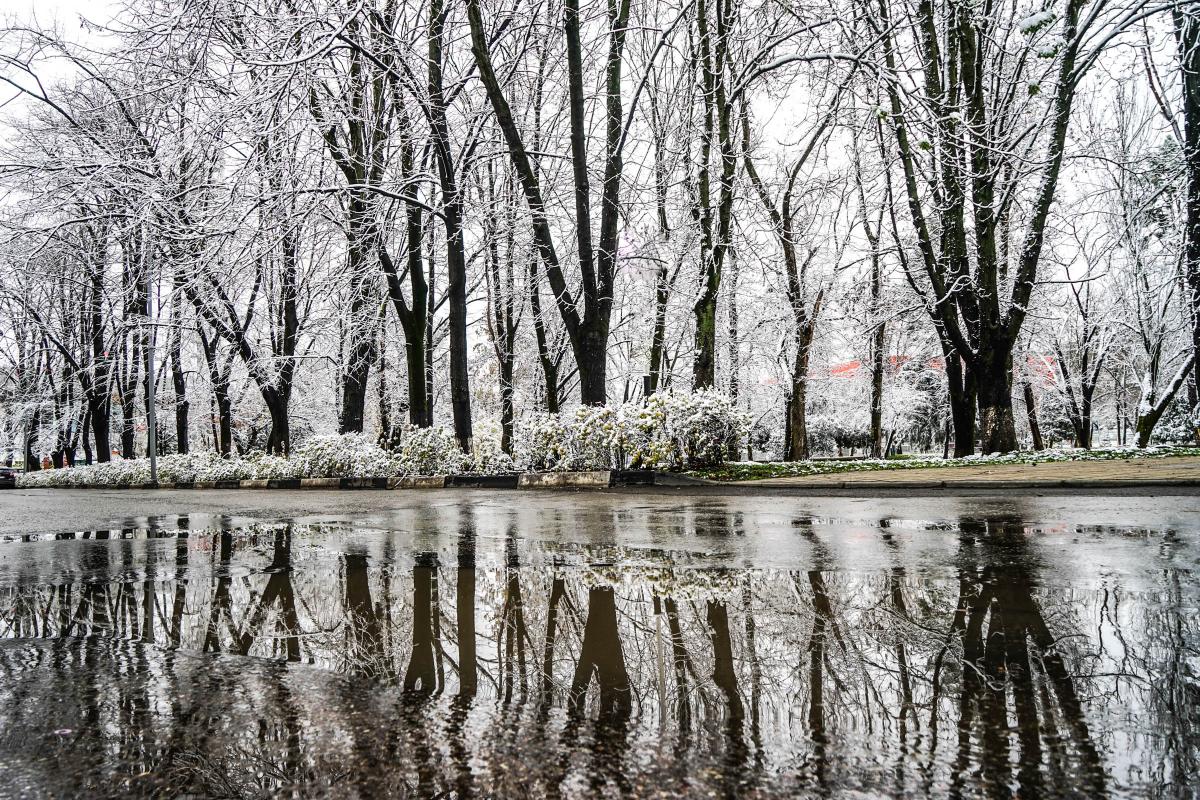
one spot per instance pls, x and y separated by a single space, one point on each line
997 428
714 64
360 346
32 464
414 319
1187 37
1035 430
961 389
452 212
547 359
178 378
797 424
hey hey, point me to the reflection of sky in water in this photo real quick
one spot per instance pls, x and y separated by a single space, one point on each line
982 656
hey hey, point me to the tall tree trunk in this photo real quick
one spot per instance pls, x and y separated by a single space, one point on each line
714 58
99 413
32 464
452 211
360 345
960 385
1035 430
877 344
588 333
997 428
662 277
1187 36
415 317
224 420
797 425
662 294
127 425
545 357
85 438
178 378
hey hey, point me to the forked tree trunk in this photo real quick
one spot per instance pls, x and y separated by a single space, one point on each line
1151 409
588 332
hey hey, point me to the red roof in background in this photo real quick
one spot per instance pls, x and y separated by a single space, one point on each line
848 369
1044 367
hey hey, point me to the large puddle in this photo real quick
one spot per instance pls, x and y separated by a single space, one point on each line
455 656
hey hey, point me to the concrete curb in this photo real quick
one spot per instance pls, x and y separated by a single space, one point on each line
596 479
482 481
418 482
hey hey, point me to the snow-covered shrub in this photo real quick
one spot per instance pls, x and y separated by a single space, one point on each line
542 442
703 426
487 459
598 435
833 432
349 455
426 451
668 431
589 438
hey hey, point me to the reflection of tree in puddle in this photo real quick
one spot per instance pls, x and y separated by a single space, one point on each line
1014 675
444 676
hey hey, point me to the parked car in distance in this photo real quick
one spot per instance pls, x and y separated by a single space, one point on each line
8 478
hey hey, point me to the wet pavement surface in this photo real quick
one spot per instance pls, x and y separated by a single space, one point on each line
569 645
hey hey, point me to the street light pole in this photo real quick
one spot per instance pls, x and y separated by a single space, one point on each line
151 411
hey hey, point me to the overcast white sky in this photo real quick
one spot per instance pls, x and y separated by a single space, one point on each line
65 11
64 14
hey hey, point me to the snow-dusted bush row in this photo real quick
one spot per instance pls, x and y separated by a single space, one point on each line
667 432
427 451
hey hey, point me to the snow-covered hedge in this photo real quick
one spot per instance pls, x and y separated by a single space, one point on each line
667 432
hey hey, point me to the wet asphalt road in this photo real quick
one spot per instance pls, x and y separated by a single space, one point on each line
24 511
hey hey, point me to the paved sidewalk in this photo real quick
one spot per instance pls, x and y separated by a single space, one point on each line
1174 471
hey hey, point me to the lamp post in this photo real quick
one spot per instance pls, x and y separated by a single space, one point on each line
151 410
